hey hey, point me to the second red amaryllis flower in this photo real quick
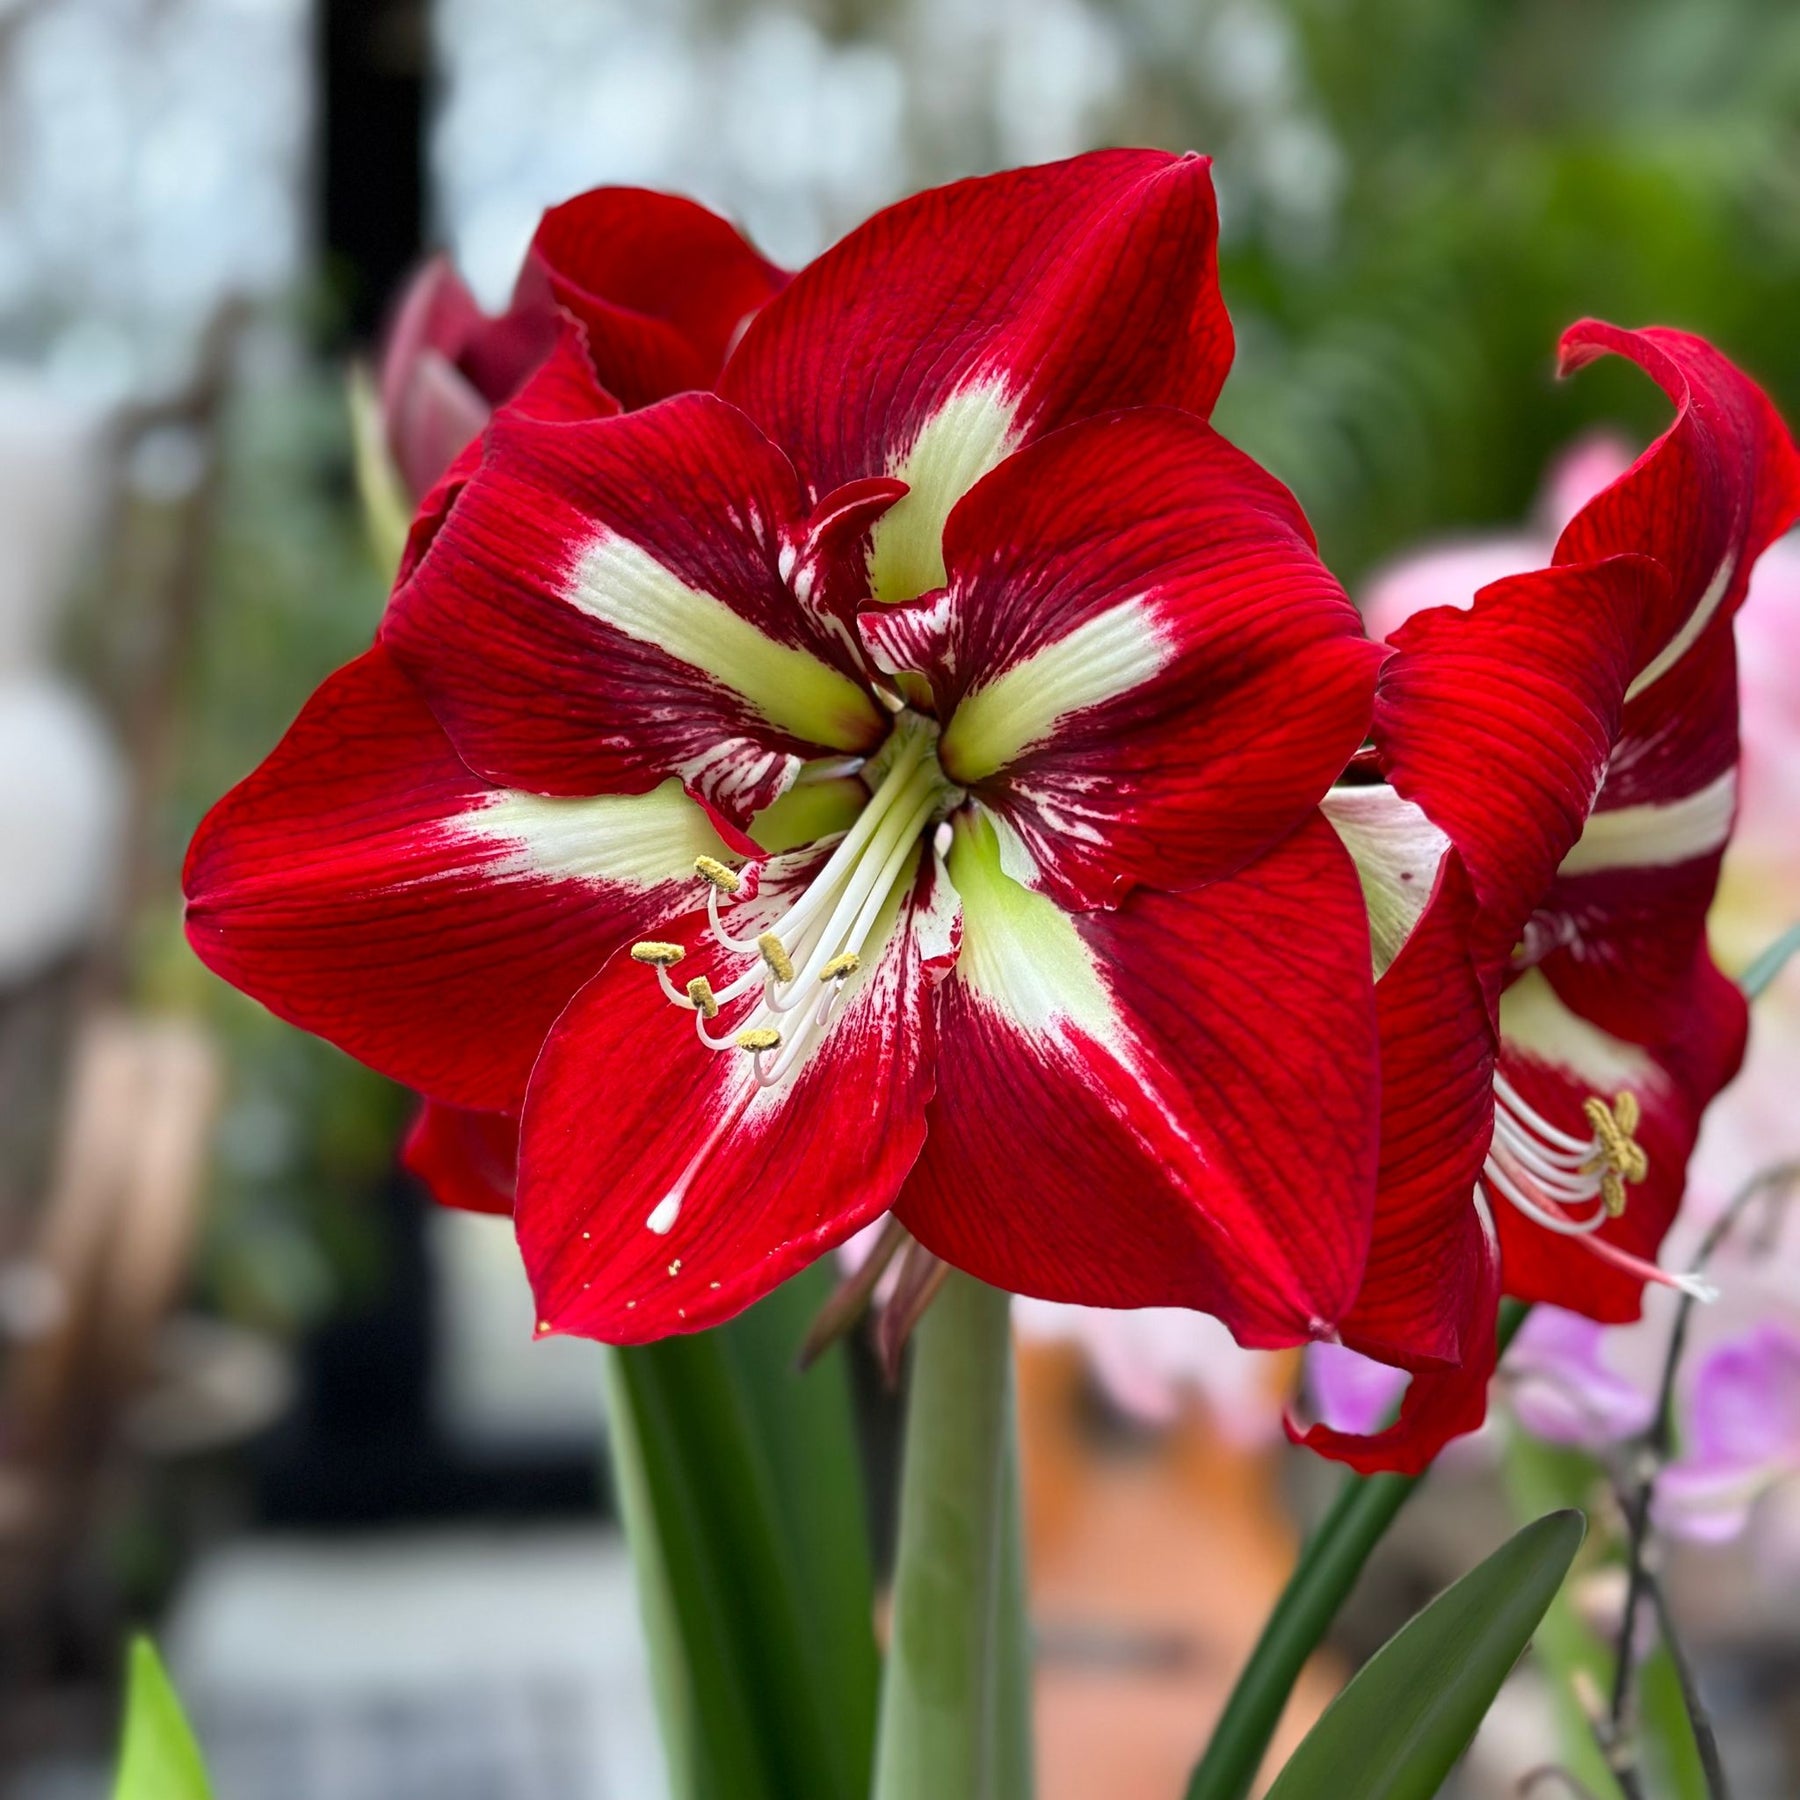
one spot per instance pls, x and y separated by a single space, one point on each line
1570 739
891 781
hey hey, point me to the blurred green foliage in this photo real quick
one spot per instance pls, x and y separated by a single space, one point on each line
289 594
1507 168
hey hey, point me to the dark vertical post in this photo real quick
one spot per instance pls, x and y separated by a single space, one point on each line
373 56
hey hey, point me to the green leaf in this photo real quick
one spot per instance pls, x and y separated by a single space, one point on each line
1540 1477
159 1759
1671 1756
387 508
738 1480
1396 1730
1330 1564
1762 972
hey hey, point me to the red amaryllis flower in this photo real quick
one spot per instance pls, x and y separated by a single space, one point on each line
1572 738
890 780
660 287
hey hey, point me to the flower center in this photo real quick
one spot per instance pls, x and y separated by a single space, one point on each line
1572 1185
802 962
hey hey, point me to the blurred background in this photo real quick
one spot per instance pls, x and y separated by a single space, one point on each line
255 1390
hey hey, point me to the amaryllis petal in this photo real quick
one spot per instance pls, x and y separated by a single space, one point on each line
1498 721
605 606
1398 853
1438 1405
664 1185
364 884
1145 672
445 365
1428 1278
561 388
957 325
661 286
1554 1060
468 1160
1209 1056
1705 500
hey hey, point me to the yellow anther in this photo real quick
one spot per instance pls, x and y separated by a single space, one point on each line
840 966
774 953
1618 1158
759 1037
699 990
658 956
709 868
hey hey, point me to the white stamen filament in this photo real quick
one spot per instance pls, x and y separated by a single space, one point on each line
801 965
1550 1175
1532 1162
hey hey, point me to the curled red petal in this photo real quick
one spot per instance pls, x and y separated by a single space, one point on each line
1425 1289
661 285
467 1160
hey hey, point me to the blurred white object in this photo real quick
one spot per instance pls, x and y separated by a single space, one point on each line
62 803
500 1387
420 1667
61 817
52 487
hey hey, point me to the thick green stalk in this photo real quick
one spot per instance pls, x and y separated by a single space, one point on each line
738 1486
955 1701
1328 1568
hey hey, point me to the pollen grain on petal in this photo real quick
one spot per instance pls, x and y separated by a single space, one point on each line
759 1037
709 868
774 953
657 955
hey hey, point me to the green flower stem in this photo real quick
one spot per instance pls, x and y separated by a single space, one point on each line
955 1702
1328 1568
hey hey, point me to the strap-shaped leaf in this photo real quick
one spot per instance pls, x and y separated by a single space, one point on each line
160 1759
1396 1730
738 1480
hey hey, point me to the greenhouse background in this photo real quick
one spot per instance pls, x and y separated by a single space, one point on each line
255 1392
